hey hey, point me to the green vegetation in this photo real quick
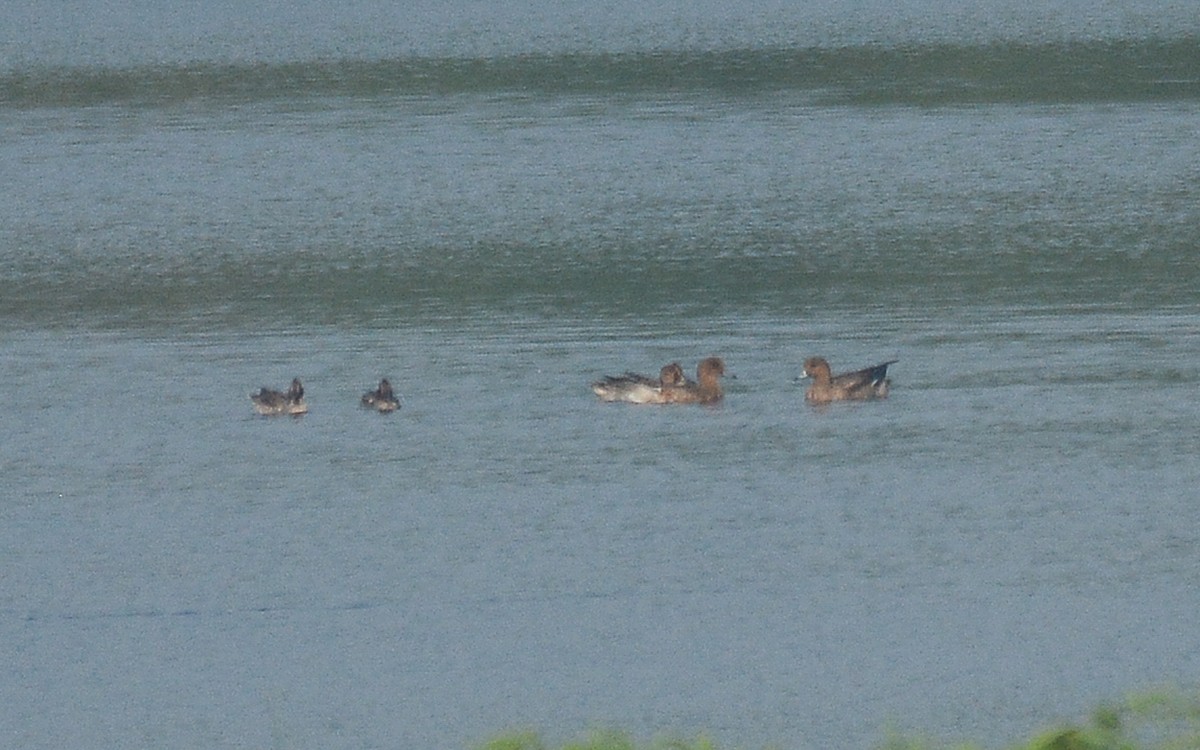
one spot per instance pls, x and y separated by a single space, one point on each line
1163 720
600 739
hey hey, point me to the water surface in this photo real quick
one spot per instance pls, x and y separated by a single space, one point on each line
493 206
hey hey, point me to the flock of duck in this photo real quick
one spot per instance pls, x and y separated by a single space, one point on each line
670 387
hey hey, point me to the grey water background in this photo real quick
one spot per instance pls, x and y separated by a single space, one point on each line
492 204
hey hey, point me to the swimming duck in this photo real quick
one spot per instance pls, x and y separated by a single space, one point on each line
640 389
382 398
860 385
271 403
707 389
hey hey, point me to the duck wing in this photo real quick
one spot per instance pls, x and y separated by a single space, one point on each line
866 377
267 397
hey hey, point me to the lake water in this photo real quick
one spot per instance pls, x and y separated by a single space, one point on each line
493 205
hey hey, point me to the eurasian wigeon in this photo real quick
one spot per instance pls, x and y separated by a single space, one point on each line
707 389
381 399
273 403
640 389
860 385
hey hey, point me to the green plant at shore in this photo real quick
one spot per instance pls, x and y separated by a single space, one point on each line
1161 720
598 739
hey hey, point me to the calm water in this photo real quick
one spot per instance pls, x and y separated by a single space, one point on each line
493 205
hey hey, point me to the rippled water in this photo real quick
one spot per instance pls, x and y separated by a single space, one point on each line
492 207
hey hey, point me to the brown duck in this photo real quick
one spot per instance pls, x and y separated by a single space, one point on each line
860 385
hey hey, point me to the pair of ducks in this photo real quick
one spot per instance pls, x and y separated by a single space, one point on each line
275 403
672 387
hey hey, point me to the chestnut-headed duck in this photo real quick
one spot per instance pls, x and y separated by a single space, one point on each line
381 399
640 389
273 403
860 385
707 389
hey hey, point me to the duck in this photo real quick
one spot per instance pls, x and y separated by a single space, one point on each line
641 389
273 403
861 385
706 389
382 399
